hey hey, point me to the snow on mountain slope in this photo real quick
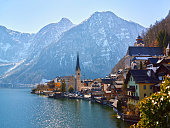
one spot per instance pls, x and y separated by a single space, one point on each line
13 44
102 40
16 46
48 34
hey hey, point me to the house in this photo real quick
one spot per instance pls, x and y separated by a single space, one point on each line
70 81
106 87
139 84
139 42
96 89
162 71
87 82
135 63
116 87
152 64
147 52
168 50
165 60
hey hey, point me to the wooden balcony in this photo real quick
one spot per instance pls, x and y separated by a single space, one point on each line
133 97
131 88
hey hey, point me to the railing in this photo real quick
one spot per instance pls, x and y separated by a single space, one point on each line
132 89
133 97
130 118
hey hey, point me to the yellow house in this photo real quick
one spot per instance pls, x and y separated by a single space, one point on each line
139 84
57 85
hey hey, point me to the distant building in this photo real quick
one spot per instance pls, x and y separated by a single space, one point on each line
70 82
96 89
139 42
168 50
152 64
163 71
78 75
142 52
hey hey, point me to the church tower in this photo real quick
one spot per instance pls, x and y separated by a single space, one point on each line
78 75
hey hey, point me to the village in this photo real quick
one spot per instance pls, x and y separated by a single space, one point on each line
142 73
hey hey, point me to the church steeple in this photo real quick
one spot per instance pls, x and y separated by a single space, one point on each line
77 75
77 65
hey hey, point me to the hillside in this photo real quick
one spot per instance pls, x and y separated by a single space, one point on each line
150 36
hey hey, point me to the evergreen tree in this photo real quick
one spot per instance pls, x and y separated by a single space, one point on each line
163 39
140 65
63 86
160 39
71 89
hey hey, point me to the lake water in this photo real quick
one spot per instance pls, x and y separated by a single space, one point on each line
20 109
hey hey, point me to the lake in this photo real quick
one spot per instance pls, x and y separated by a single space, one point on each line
21 109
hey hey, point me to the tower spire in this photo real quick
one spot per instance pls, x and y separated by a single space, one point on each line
77 65
78 75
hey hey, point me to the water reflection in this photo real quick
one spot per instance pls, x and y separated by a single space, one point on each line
20 109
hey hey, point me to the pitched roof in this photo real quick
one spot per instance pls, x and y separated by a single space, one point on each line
167 66
168 46
144 51
77 65
153 60
142 76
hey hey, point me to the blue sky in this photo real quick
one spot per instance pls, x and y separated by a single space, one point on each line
31 15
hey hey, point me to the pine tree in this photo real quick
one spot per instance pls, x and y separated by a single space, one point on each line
63 86
140 65
71 89
160 39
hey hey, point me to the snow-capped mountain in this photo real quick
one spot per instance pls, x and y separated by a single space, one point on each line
13 45
102 40
20 48
47 35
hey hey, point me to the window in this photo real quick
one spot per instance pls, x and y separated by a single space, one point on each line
144 86
150 86
129 93
144 94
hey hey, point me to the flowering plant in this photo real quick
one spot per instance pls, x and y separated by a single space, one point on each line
155 110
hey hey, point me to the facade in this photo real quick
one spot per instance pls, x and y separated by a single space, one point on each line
139 42
168 50
78 75
142 52
140 83
96 89
163 71
152 64
70 82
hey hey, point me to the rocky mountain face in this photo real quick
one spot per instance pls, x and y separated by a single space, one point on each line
102 40
47 35
13 45
17 48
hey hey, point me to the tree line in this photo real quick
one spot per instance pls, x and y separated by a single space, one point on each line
158 35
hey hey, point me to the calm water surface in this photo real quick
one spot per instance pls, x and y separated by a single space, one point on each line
20 109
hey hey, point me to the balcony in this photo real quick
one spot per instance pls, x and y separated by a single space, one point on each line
131 88
133 97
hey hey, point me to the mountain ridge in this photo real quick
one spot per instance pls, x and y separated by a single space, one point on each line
101 40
